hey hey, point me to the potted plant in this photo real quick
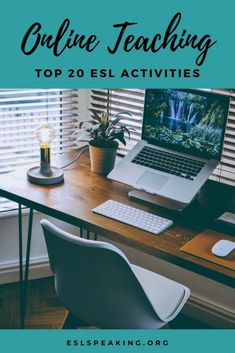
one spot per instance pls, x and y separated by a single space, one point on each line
103 133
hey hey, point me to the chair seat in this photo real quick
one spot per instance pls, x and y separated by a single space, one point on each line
167 297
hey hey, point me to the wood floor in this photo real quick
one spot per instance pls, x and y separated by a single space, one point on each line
44 311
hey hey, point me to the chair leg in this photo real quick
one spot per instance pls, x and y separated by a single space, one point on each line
72 322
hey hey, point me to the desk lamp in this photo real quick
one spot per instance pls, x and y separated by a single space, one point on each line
45 174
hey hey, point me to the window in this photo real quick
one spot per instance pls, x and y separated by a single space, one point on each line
132 100
22 111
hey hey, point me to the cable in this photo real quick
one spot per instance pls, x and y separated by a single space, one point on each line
75 159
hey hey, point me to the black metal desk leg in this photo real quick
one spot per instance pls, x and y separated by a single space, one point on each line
21 267
30 224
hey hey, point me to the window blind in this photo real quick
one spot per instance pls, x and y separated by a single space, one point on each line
132 100
21 112
226 169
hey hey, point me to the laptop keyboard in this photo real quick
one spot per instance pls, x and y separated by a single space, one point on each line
169 163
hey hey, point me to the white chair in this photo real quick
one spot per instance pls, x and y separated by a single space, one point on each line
98 285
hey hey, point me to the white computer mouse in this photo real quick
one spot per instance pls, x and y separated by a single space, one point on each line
223 248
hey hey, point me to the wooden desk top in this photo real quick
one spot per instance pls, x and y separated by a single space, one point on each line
83 190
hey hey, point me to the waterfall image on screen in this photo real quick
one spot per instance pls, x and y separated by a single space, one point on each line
186 120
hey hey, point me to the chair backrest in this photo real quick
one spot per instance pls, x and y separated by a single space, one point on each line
95 282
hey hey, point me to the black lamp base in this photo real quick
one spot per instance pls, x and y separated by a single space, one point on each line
36 177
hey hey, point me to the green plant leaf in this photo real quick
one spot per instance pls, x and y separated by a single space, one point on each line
119 135
96 127
90 121
95 115
121 113
113 123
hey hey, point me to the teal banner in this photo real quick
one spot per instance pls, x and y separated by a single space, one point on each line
102 341
151 43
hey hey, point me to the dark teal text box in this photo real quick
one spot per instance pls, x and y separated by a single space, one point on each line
120 341
98 17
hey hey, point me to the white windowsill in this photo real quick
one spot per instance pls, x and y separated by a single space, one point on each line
13 213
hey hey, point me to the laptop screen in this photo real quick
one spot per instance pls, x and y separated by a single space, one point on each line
189 121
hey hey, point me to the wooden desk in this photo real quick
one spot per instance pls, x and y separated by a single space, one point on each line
83 190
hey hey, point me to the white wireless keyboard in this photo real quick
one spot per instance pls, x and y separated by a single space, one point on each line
133 216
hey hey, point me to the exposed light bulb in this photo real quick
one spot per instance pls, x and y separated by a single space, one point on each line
45 174
45 135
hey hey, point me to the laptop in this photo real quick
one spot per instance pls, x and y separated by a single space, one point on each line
181 143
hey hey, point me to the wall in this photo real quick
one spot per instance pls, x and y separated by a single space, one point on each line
210 302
